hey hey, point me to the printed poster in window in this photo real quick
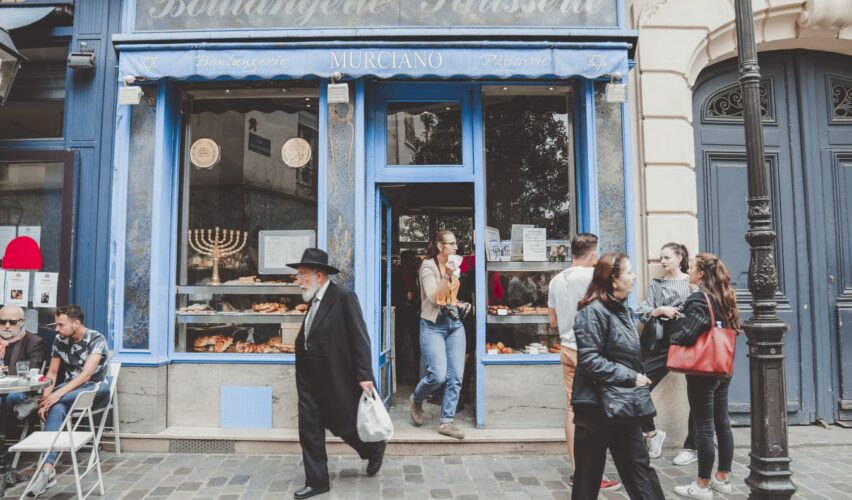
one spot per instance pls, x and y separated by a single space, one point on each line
7 234
44 291
3 285
33 232
17 288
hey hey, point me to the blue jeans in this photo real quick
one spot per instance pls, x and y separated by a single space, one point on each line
442 347
57 413
8 411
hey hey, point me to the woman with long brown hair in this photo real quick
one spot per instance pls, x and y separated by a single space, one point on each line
442 338
609 358
708 396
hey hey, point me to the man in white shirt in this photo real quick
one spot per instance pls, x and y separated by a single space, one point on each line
566 290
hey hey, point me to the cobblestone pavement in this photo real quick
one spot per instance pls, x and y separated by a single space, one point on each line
820 472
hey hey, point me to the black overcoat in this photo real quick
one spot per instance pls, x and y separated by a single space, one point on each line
337 356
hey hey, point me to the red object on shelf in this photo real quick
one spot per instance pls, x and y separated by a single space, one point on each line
22 254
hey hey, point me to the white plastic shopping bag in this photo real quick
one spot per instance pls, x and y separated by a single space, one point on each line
374 423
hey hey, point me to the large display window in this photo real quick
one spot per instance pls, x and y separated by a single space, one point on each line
249 204
531 210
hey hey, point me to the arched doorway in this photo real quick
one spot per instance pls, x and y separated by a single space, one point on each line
806 103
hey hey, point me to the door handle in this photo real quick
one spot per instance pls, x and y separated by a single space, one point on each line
831 279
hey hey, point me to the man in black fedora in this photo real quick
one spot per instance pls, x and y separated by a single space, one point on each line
333 367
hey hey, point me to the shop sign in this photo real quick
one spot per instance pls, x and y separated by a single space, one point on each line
168 15
386 62
260 145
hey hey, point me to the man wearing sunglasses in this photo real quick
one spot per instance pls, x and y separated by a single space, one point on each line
17 344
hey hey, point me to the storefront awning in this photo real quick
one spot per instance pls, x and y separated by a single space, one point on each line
12 18
480 60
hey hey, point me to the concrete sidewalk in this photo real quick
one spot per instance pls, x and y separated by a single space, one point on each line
822 466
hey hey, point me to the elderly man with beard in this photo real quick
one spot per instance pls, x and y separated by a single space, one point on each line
17 344
333 367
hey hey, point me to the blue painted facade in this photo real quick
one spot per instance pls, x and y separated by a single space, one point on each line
89 113
146 161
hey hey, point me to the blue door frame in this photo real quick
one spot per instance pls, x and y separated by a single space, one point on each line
374 99
384 225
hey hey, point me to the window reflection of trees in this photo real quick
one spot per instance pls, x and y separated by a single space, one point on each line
414 228
424 133
440 141
530 165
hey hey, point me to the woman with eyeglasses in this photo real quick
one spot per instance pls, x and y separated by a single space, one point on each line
708 396
442 337
609 357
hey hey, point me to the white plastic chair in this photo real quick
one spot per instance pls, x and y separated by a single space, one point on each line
112 405
68 439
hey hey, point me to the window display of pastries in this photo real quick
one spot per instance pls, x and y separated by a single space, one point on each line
270 308
498 309
213 343
196 308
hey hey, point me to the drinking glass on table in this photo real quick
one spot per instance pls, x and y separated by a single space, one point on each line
4 370
22 367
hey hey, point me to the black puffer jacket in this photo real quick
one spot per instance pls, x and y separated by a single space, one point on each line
608 350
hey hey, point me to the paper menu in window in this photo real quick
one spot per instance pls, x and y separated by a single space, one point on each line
279 250
7 234
535 244
17 289
33 232
44 290
518 240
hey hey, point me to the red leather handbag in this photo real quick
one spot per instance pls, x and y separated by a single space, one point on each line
712 355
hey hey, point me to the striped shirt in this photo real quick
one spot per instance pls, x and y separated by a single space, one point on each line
663 292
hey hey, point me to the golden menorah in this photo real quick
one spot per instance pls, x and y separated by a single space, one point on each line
218 244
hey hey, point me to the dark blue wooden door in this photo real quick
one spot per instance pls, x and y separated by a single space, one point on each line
808 143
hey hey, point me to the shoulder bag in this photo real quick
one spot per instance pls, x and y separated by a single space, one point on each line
627 403
654 332
712 355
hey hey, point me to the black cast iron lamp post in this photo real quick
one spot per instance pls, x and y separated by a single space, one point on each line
10 63
770 475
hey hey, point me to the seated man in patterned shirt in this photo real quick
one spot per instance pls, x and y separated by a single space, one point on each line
80 354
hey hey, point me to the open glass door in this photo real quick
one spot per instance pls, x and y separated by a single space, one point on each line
384 224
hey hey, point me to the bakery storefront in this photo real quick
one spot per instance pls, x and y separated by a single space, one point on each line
250 130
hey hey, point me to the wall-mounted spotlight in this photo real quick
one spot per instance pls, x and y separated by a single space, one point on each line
83 58
616 90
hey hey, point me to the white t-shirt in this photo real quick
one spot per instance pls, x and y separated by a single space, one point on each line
566 290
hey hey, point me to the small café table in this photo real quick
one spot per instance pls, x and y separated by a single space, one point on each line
8 385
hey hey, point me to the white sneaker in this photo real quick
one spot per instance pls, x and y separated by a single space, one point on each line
42 482
721 486
655 444
685 457
694 491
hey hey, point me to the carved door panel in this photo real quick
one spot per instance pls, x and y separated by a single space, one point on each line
828 162
808 134
722 192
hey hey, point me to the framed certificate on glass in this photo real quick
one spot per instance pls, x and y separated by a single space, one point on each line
277 248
